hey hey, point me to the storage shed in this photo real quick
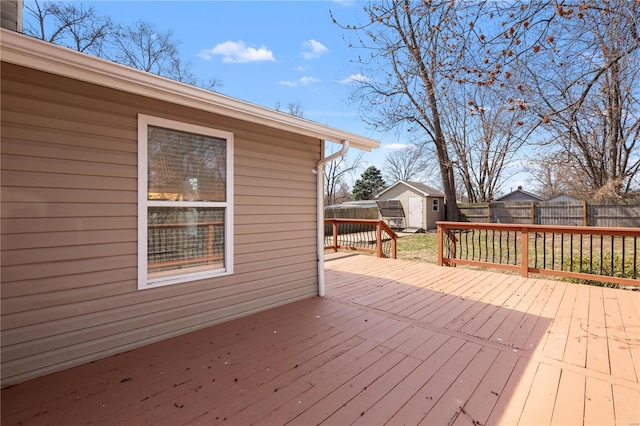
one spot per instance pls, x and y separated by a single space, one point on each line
136 208
423 205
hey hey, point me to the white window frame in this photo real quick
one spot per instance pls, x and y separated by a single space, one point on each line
435 205
144 282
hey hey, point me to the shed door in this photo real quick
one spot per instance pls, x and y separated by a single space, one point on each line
415 212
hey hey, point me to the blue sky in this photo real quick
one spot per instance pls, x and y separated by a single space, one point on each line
269 52
266 52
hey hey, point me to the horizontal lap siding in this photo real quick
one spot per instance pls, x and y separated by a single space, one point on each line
69 237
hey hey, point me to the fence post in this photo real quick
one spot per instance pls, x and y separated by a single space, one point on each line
585 216
335 235
378 239
533 213
524 243
489 213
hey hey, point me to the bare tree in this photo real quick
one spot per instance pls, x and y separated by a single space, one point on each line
73 25
486 135
551 176
335 175
144 46
575 66
404 164
141 45
294 108
410 53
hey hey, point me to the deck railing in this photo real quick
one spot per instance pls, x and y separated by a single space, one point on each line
182 245
365 235
603 255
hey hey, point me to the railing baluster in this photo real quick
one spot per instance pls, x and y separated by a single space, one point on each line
571 254
623 258
562 252
591 254
553 250
493 246
612 245
486 246
619 245
535 250
635 257
515 247
580 253
466 244
601 253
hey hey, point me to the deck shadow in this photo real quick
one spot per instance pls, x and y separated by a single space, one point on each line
375 350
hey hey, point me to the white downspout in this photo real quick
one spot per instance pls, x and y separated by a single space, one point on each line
320 213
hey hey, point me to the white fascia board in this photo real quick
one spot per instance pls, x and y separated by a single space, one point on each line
30 52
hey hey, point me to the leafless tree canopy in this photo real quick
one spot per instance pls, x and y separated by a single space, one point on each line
481 80
406 164
294 108
140 45
336 174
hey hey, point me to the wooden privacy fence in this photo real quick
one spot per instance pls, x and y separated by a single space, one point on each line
563 213
369 236
351 212
609 255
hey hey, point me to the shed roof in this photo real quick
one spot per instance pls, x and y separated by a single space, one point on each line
30 52
418 187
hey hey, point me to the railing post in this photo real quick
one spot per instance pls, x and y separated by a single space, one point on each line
440 244
335 235
524 240
378 239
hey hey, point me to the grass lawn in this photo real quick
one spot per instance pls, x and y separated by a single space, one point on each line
418 247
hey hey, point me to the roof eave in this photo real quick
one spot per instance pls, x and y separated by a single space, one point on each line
30 52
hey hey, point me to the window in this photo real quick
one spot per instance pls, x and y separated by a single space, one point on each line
185 202
436 205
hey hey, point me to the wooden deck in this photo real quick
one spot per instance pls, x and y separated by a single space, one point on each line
393 342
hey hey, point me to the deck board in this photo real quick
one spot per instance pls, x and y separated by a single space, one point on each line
393 342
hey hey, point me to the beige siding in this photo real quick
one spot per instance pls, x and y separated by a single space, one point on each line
432 217
10 14
403 193
69 238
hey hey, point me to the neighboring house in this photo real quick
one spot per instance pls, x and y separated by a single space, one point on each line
423 205
563 198
519 195
136 208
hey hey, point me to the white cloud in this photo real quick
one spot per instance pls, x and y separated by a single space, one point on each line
306 81
303 81
300 68
354 78
237 52
313 49
288 83
396 146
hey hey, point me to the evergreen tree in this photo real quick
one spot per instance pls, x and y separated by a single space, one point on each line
369 184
